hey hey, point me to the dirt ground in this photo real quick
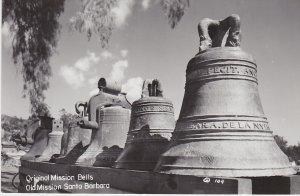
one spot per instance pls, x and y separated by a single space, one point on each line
10 162
7 174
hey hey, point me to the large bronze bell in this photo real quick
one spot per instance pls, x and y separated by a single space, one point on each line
108 117
114 124
152 122
222 129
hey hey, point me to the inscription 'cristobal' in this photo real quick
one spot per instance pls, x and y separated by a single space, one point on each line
222 70
153 108
248 125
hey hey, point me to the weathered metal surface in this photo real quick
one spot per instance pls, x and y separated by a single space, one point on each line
78 140
152 122
152 88
108 117
108 138
109 94
110 87
114 125
108 156
88 124
40 139
222 129
54 141
212 32
64 142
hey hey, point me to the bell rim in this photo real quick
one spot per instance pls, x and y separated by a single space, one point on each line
232 172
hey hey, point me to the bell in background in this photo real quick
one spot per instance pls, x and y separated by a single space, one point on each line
64 141
113 126
151 125
54 141
40 140
75 143
108 117
222 129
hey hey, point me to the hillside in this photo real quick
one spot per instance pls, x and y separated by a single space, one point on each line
14 125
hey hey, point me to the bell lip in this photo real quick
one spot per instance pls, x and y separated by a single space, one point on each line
231 173
221 53
227 162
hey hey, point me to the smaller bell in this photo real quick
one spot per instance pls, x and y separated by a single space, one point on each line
78 140
151 125
40 139
54 141
114 125
64 142
108 117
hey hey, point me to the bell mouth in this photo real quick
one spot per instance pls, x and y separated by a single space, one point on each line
226 157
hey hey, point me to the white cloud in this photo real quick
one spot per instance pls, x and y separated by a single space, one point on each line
146 4
72 76
133 88
106 55
5 29
124 53
122 11
93 80
118 69
6 36
94 91
75 75
85 63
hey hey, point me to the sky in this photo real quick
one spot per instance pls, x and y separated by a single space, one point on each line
144 46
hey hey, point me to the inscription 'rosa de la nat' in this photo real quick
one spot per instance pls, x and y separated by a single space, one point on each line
239 125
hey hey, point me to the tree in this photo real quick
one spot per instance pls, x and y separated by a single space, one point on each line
10 126
174 10
67 118
35 28
281 142
293 152
96 17
40 109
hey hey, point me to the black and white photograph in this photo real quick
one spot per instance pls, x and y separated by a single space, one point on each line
150 96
